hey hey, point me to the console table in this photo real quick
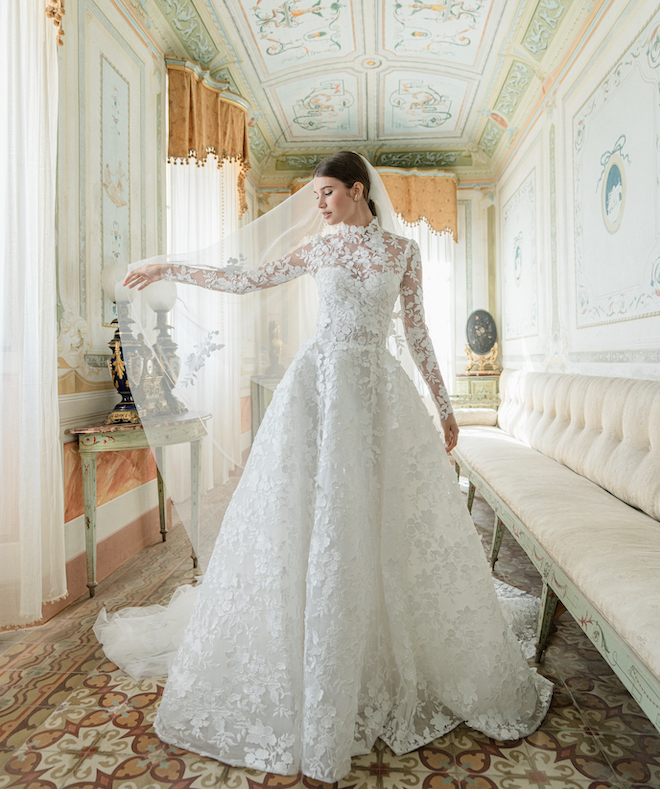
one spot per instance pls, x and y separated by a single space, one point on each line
113 438
477 390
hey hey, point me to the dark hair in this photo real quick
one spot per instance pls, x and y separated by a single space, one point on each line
349 168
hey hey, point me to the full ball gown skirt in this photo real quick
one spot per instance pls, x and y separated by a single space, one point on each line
348 596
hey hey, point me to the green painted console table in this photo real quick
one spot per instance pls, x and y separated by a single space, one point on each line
114 438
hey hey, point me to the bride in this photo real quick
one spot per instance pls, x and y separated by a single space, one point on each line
348 596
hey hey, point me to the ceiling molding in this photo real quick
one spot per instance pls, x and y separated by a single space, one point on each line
429 85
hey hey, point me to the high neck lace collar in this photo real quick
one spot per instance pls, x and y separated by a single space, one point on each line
361 231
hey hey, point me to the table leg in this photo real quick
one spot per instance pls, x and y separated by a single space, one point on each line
89 499
195 468
162 509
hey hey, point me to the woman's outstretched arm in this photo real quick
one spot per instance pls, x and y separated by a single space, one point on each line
420 345
230 279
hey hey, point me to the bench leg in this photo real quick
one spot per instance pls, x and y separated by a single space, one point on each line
471 493
498 533
549 602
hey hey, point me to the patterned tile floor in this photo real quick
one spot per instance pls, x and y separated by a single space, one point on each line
70 718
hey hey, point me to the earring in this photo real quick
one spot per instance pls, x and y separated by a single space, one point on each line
355 198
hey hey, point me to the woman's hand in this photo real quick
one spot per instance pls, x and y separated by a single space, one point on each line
450 427
145 275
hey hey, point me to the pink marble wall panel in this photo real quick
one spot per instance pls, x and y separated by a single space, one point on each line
116 473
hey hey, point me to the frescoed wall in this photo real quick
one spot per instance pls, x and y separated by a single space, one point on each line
616 155
595 147
110 212
519 262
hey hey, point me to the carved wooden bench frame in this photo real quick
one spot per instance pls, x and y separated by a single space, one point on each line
644 687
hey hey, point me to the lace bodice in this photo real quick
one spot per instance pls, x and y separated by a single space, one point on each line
360 272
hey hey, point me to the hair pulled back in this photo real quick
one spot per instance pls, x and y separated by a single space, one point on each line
349 168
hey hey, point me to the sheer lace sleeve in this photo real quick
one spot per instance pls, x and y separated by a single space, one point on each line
233 278
417 333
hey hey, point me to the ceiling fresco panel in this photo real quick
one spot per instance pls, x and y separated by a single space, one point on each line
417 102
321 107
452 31
289 33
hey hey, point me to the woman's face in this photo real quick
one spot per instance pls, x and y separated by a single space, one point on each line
335 201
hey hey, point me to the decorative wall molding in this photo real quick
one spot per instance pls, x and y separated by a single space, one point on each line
299 161
469 285
187 24
543 26
519 255
515 85
616 142
556 328
258 145
491 136
639 356
424 159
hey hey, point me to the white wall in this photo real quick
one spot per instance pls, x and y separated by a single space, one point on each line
471 284
580 288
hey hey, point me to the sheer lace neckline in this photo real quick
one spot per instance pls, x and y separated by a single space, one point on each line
361 231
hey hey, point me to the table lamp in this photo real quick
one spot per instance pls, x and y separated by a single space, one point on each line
123 348
163 370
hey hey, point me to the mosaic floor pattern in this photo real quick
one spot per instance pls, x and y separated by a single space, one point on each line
70 718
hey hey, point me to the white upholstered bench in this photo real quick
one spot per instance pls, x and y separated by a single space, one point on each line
572 469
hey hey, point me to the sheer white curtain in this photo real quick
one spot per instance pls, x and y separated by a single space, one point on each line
437 251
32 557
203 207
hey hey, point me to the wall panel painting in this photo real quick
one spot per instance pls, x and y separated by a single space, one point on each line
115 172
616 163
291 32
520 261
453 31
418 103
321 107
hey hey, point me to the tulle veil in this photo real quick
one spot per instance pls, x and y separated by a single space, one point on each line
200 363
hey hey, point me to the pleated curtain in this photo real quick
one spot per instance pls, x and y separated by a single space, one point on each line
204 206
32 553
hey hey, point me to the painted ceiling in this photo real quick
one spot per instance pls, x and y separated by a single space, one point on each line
410 82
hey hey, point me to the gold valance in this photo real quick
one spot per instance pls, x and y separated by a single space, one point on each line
416 195
423 195
203 122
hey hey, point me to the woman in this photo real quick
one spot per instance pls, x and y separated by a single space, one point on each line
348 597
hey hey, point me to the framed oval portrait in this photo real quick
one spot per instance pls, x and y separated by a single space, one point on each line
481 332
613 194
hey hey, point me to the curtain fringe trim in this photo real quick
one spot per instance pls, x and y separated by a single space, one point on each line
200 161
55 11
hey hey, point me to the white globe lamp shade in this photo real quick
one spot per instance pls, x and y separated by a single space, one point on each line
111 277
161 295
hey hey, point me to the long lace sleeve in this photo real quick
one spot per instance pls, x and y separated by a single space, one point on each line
233 278
417 333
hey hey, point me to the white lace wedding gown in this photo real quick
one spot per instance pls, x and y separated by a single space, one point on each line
348 596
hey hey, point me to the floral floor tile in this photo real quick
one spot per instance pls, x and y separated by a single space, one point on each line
38 770
569 756
634 758
69 718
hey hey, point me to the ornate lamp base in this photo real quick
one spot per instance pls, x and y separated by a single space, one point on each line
125 411
123 416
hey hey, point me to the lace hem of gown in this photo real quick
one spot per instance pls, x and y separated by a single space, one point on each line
143 642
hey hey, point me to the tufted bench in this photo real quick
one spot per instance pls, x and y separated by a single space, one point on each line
572 469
